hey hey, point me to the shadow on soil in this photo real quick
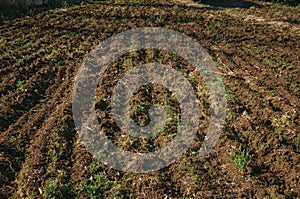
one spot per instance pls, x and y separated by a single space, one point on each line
228 3
12 13
33 10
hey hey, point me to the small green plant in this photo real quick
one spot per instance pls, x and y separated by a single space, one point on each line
56 143
136 109
157 133
244 132
65 4
267 62
94 167
50 188
241 159
230 116
20 85
263 145
54 188
194 15
277 131
231 97
192 171
127 64
160 19
181 166
211 25
10 138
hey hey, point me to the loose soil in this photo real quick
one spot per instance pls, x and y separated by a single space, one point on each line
256 49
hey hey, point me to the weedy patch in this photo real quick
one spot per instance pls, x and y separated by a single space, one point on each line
98 184
56 188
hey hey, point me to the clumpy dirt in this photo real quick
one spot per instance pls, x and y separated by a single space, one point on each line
41 155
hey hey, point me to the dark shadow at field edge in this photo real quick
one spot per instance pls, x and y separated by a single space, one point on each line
13 13
228 3
31 11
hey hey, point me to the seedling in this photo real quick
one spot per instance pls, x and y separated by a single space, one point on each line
277 131
12 138
245 132
20 85
242 159
65 4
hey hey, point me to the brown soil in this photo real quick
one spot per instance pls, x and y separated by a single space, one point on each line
259 63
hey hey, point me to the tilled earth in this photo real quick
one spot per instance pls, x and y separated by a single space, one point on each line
256 49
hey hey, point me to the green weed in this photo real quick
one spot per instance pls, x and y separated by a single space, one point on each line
160 20
244 132
231 97
176 6
277 131
54 188
10 138
20 85
230 116
97 186
241 159
65 4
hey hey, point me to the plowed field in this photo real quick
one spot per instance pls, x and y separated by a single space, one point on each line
256 48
